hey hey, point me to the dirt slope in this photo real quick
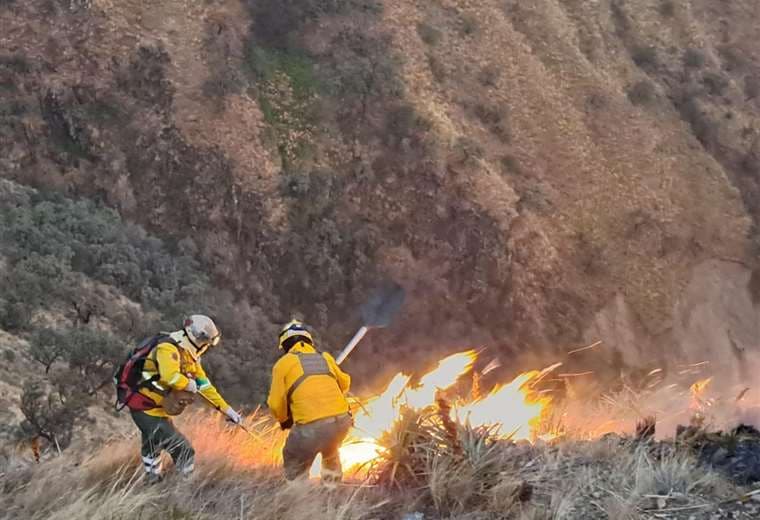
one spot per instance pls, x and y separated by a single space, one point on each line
522 169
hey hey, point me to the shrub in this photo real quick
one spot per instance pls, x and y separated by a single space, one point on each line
510 164
645 57
641 93
469 24
667 8
693 58
437 68
705 130
145 79
488 76
597 100
48 237
92 354
715 84
17 63
733 58
51 415
222 82
752 86
46 346
15 315
754 286
428 34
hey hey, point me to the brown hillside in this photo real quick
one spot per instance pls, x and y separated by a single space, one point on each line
535 175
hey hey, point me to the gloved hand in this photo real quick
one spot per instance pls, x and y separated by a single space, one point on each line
287 424
191 387
233 416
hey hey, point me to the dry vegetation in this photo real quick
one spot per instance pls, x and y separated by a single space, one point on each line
438 469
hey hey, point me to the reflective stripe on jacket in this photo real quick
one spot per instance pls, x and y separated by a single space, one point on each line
317 397
175 369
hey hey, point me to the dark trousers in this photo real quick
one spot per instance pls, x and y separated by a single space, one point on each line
158 433
305 441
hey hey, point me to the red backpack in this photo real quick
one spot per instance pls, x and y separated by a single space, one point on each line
128 376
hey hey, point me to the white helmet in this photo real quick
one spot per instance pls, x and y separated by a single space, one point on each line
202 332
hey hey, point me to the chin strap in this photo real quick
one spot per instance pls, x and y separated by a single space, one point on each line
186 343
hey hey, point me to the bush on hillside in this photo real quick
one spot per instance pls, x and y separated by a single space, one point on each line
645 57
715 84
46 346
752 86
469 25
641 93
428 34
693 58
667 8
47 238
51 414
703 127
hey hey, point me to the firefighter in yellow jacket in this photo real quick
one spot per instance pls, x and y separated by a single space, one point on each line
307 396
173 367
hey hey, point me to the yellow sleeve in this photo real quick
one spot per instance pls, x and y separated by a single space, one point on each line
343 379
208 390
167 358
278 398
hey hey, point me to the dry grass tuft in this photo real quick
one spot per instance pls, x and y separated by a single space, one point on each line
425 467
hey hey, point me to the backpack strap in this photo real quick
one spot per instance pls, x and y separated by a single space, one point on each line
152 381
312 365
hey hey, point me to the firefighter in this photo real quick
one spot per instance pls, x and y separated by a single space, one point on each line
307 396
170 375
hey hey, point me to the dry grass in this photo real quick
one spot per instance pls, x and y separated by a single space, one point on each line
427 466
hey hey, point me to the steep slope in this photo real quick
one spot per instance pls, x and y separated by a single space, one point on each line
536 176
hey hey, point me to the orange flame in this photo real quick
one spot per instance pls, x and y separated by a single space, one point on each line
516 407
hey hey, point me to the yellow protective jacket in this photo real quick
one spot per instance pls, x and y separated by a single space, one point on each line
317 397
175 367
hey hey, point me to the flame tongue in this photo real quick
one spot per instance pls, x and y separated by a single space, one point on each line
442 377
516 406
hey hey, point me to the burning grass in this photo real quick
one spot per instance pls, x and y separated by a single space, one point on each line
445 444
427 464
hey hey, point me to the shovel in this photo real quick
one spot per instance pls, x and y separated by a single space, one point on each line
376 313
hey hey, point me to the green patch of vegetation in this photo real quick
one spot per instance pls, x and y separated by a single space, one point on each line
694 58
288 94
704 128
12 108
496 119
48 238
510 164
641 93
488 76
714 83
265 64
469 24
428 34
437 69
51 413
16 63
645 57
667 8
752 86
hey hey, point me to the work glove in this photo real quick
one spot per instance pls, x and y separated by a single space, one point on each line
233 416
191 387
